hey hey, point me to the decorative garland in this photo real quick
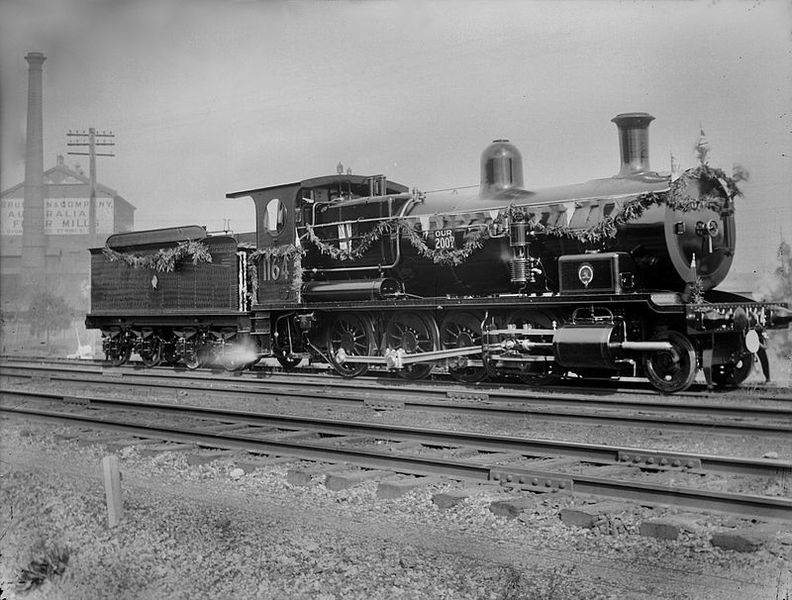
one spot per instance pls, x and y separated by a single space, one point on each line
704 172
606 227
163 261
396 226
634 208
287 251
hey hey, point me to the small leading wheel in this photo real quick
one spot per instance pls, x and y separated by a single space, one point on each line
151 351
414 333
460 330
354 334
671 370
733 375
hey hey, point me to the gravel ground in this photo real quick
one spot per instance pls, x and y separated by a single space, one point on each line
204 531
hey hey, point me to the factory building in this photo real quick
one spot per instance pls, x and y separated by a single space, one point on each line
65 261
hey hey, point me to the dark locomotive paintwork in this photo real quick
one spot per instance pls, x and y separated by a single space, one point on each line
524 304
662 255
118 288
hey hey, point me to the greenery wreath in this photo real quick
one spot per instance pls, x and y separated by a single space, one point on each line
288 251
631 210
607 227
399 226
162 261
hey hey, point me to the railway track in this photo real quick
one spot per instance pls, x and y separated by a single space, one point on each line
634 387
528 464
659 411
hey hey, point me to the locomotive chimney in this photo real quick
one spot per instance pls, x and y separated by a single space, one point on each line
633 142
501 168
34 241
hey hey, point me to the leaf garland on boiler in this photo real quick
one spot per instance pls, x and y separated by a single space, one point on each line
634 208
396 226
162 261
607 227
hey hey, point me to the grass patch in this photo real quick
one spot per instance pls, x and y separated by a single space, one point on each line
46 561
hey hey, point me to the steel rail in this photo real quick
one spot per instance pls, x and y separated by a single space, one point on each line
572 391
519 391
761 506
772 425
526 446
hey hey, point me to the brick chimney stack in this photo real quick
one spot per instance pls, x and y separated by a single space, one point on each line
34 242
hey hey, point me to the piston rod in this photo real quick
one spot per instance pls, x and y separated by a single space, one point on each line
641 346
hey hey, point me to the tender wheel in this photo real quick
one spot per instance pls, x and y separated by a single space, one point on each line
671 370
414 333
459 330
151 351
354 333
118 354
542 371
197 354
733 375
170 355
192 359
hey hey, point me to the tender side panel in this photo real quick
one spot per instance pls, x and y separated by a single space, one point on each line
118 287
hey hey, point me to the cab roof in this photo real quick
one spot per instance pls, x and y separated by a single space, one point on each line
327 180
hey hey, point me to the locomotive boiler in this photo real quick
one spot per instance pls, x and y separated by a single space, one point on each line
521 228
611 277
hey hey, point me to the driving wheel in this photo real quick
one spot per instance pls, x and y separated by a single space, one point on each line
354 334
461 330
414 333
671 370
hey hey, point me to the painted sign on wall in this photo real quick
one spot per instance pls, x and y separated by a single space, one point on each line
62 216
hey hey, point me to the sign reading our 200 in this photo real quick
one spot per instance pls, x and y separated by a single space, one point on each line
273 268
444 239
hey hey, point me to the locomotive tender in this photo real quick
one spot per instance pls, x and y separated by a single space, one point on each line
615 276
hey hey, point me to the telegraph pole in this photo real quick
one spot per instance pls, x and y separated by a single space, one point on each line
91 144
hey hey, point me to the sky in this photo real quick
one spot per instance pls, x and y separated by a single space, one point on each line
208 97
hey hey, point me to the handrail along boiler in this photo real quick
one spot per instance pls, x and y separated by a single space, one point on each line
611 277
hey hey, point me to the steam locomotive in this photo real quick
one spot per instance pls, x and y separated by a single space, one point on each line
611 277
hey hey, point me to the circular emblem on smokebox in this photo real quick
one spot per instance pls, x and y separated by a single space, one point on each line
585 274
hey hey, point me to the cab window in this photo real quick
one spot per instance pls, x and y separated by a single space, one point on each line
275 217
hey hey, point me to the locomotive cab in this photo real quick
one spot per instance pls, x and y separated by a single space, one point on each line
339 209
